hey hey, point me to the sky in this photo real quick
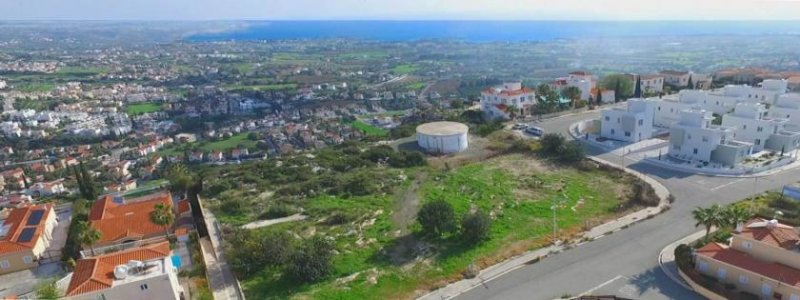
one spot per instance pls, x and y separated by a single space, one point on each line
400 10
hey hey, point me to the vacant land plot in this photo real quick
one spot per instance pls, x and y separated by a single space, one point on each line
377 258
143 108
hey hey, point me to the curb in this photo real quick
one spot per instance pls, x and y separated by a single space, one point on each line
668 250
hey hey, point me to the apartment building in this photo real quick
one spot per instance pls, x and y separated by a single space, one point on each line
762 258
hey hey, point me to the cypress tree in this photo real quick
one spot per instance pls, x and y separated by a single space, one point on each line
88 183
690 84
638 89
81 186
599 99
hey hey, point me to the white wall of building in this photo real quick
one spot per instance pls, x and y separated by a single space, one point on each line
633 124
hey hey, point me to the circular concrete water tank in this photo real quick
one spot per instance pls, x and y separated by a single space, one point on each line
442 137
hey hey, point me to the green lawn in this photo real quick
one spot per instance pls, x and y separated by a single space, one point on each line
404 69
80 71
34 87
369 129
143 108
229 143
416 86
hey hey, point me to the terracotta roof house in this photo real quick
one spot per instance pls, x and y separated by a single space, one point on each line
763 258
126 220
139 273
25 235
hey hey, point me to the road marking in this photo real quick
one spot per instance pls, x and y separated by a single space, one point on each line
602 285
727 184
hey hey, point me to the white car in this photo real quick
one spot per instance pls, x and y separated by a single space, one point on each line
519 126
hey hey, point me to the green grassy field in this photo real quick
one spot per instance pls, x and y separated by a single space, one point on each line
369 129
404 69
143 108
229 143
34 87
80 71
515 189
416 86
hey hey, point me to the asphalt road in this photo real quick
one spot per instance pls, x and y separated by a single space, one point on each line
626 263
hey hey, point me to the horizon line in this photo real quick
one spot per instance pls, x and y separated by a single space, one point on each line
400 20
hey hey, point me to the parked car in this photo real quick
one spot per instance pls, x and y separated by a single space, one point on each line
519 126
533 130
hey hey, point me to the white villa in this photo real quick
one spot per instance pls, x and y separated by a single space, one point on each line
693 138
496 101
753 126
584 81
632 124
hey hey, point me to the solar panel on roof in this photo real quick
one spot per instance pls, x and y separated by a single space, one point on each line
35 217
26 235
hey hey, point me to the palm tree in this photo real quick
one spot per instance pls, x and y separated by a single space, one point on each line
708 217
736 215
572 93
89 236
162 215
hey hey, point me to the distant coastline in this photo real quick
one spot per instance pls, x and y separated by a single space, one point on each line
491 31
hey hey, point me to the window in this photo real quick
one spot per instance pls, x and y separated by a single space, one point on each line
143 287
743 279
608 119
747 245
702 266
766 289
4 264
612 131
688 136
641 122
627 133
705 138
759 129
758 142
27 259
721 272
744 126
676 147
694 151
617 120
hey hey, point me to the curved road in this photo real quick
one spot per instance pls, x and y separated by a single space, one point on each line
626 263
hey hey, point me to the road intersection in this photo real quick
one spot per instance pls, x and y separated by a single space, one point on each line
626 263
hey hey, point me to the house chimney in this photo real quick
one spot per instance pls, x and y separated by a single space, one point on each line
738 228
772 223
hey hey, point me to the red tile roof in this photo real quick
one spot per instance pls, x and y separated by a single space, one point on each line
132 219
17 220
97 273
504 93
580 73
183 206
778 235
776 271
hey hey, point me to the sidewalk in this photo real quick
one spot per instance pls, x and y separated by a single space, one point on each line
666 259
221 281
511 264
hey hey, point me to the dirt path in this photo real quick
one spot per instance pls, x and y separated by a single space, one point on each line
406 206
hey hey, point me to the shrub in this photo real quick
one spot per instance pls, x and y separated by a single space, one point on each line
437 218
279 211
552 143
571 152
312 261
476 227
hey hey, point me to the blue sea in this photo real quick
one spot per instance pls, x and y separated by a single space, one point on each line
490 31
